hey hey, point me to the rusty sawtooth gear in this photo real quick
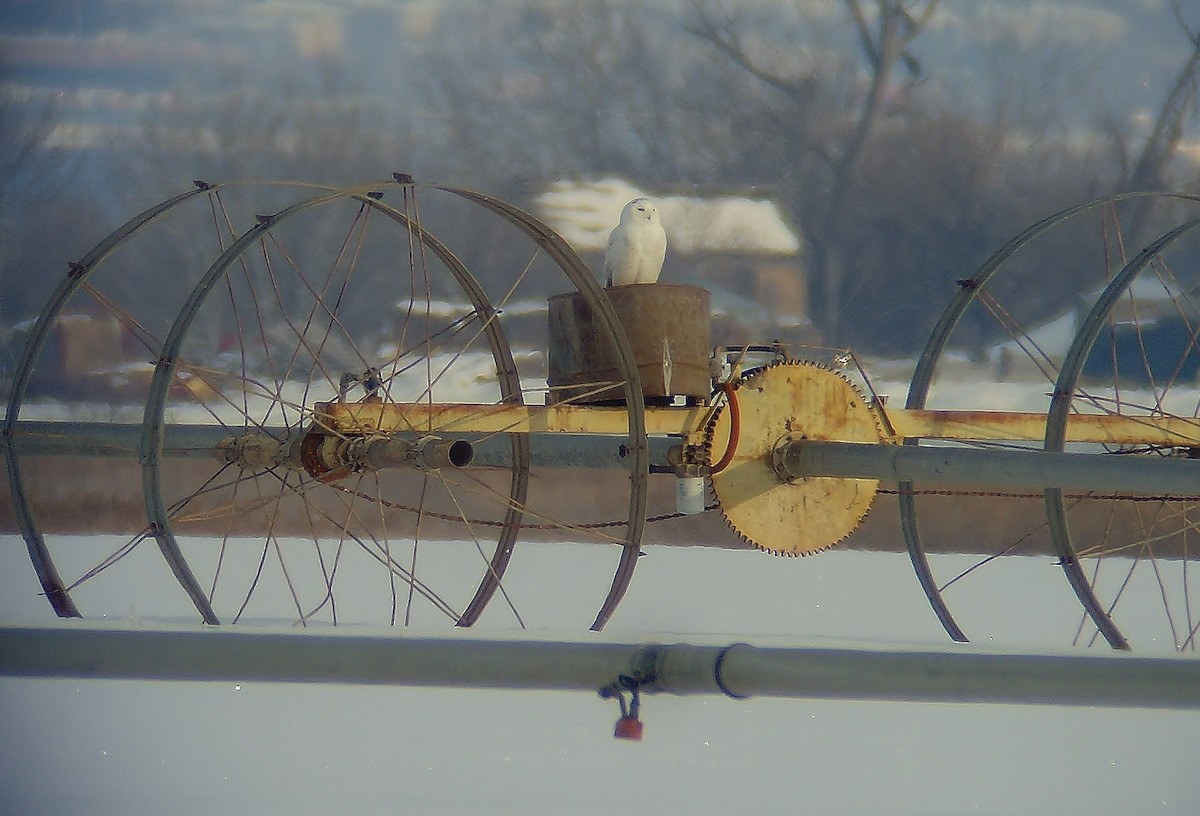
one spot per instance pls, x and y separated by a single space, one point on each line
778 403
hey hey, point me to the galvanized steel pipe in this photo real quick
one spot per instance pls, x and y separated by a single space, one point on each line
39 438
966 467
429 453
962 674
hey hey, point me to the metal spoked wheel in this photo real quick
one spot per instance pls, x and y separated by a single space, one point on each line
1011 339
87 359
1136 355
345 303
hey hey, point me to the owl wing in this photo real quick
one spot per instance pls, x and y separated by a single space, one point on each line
655 251
611 253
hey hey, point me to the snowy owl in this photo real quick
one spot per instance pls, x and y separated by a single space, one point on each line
637 245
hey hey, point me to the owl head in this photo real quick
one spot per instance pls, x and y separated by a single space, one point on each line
640 210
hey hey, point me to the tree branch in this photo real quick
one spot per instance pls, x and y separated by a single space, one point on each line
865 39
724 38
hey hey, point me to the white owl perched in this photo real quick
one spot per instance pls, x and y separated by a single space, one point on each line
636 246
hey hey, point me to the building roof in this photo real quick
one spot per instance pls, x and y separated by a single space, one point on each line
584 212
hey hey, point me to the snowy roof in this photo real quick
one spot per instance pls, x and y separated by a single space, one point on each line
1145 288
585 212
1148 298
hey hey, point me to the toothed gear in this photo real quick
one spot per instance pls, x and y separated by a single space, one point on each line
779 403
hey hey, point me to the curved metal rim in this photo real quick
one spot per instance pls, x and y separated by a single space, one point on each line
1060 412
922 379
43 564
52 585
510 390
153 427
154 430
637 449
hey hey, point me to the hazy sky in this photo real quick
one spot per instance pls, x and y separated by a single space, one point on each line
113 61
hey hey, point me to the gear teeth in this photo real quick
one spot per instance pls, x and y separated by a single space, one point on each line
859 426
778 553
789 553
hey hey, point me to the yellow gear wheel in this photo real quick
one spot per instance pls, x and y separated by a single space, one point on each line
775 405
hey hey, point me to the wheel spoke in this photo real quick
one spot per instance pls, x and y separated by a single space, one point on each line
340 298
1138 363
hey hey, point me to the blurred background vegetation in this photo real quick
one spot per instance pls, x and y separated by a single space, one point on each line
904 141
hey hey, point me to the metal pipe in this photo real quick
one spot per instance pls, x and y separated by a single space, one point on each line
37 438
948 466
965 467
430 453
959 675
1111 429
541 421
461 418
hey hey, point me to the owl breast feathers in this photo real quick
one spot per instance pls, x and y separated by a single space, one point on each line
636 246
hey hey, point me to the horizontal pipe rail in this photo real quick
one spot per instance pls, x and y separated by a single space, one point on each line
38 438
566 446
390 417
929 465
1017 426
965 467
101 438
359 417
41 438
961 674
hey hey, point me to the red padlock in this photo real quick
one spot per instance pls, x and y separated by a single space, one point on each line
629 728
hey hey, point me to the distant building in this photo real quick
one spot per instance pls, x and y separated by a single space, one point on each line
738 245
1145 339
95 358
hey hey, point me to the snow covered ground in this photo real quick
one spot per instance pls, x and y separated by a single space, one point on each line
136 748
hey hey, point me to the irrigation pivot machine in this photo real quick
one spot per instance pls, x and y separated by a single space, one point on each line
366 403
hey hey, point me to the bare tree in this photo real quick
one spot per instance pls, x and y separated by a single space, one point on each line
885 30
1149 171
582 88
31 176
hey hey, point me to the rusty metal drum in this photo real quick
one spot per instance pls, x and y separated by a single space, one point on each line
668 329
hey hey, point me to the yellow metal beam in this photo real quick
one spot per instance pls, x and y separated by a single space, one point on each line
1018 426
376 416
387 417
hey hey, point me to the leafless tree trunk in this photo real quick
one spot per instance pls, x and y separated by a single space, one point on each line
885 30
25 186
1160 147
895 28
